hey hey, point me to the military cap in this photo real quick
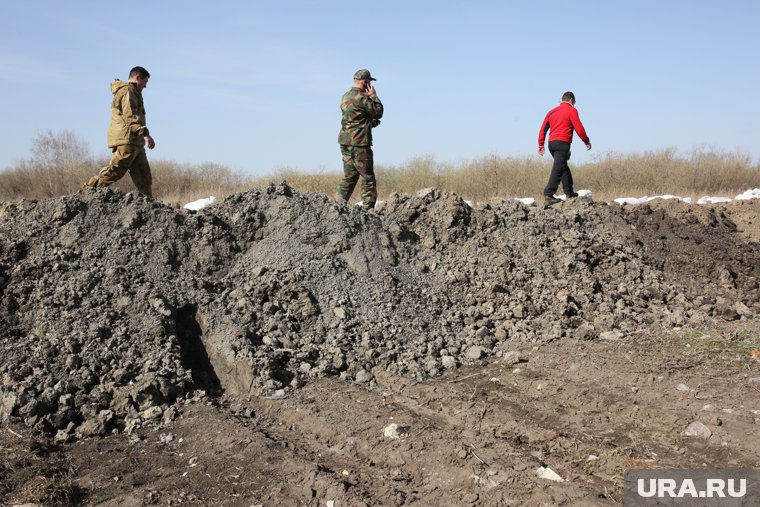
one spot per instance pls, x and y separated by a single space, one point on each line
363 75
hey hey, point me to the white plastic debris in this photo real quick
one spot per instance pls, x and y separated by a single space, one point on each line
584 194
753 193
646 199
527 201
200 203
713 200
631 200
548 474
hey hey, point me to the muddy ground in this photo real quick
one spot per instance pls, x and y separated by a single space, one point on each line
259 352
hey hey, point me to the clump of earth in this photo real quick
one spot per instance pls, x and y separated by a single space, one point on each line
115 309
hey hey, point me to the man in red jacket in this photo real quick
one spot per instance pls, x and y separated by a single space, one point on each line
560 122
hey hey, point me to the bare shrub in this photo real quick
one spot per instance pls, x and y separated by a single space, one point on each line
51 151
58 160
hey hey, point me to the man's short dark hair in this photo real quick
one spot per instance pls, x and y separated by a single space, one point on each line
139 72
568 96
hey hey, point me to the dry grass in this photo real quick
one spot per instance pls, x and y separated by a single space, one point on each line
609 176
663 172
32 472
56 169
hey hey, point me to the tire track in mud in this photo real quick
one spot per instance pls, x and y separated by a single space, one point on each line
448 448
483 433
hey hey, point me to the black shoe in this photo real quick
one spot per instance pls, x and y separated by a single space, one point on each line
572 195
550 200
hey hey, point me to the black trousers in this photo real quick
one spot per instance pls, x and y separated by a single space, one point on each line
560 150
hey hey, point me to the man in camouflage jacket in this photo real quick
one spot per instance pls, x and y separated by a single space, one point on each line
362 111
127 135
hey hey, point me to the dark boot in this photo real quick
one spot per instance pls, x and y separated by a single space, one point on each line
550 200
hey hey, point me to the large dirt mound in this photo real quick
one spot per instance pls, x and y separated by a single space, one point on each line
115 306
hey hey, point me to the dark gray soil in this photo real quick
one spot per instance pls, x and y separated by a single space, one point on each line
283 325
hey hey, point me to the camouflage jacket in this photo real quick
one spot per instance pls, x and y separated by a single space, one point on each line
360 114
127 115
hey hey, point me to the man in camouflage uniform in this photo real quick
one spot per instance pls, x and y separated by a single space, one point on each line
362 111
127 135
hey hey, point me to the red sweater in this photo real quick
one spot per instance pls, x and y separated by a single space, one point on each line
561 121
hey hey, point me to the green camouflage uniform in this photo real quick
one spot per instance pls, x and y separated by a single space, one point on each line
126 138
361 114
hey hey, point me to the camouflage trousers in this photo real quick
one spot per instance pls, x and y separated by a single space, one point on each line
125 158
358 162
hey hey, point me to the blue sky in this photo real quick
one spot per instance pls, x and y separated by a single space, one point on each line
257 85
